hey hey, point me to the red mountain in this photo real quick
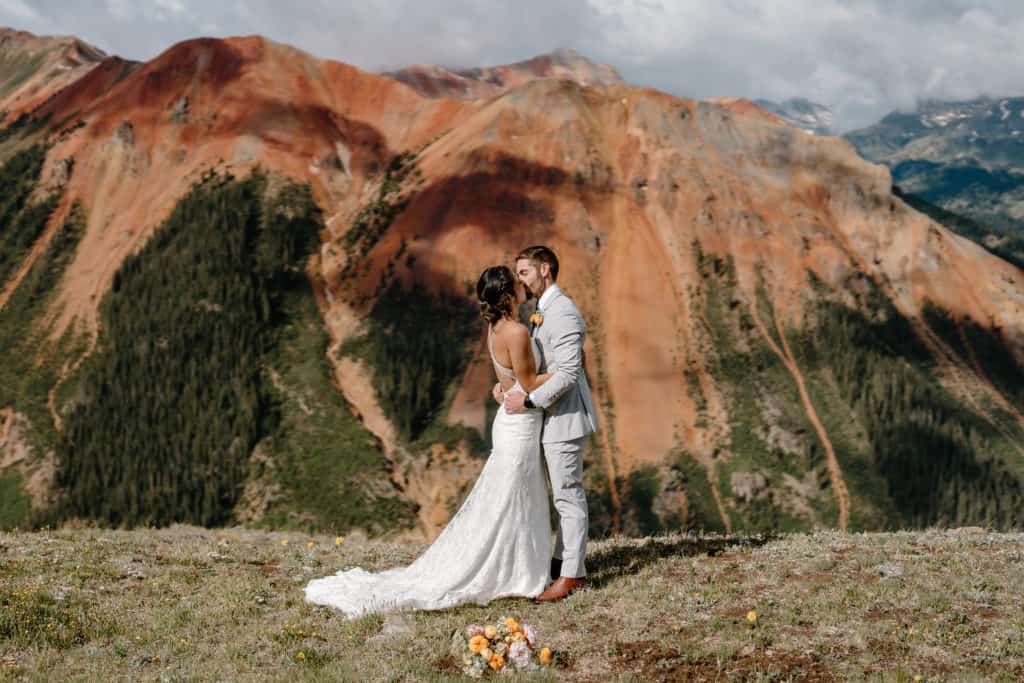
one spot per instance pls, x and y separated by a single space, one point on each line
691 233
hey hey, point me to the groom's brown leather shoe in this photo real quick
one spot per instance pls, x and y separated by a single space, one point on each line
561 588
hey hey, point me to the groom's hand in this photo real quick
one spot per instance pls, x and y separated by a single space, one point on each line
514 402
498 393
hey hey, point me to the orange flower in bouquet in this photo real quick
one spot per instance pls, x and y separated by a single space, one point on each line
501 647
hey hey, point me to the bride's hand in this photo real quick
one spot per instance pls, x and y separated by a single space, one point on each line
498 393
514 399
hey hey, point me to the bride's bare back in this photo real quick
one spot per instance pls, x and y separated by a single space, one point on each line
512 352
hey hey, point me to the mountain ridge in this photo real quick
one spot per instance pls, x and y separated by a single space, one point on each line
562 64
753 245
35 67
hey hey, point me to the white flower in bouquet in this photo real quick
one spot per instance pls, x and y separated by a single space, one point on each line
474 630
487 653
531 635
519 655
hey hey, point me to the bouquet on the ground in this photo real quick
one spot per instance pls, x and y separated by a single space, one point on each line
507 645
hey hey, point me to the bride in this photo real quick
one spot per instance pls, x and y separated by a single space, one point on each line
499 542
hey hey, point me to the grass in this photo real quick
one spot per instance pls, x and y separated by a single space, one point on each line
185 603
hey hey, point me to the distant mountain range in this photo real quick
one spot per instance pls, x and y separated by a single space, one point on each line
800 112
963 157
966 157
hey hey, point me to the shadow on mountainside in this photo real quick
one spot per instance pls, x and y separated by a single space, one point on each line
621 559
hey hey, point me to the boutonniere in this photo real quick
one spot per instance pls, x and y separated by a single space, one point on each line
537 319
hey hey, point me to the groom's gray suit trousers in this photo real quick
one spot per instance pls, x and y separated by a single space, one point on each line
565 470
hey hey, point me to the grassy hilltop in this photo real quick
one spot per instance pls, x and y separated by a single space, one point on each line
186 603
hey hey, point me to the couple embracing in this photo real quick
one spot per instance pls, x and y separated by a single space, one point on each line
499 542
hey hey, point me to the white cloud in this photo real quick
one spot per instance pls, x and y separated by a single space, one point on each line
862 57
173 6
121 10
18 9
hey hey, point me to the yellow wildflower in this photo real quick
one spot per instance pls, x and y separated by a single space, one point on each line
310 544
917 677
752 617
545 656
284 541
477 643
497 661
301 656
338 540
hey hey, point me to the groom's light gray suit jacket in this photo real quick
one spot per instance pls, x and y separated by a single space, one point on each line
568 408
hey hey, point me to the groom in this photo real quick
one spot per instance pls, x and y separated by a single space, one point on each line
569 415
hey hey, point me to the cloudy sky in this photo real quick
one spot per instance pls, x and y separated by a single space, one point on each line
863 58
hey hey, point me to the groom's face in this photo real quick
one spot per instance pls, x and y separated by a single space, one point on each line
531 277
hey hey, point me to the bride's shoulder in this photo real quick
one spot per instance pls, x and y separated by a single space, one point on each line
511 330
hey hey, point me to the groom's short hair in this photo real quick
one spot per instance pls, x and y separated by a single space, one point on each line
541 254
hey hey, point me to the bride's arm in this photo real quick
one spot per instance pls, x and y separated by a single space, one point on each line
519 346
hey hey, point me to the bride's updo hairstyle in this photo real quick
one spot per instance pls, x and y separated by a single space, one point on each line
496 292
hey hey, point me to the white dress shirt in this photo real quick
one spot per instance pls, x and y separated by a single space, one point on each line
544 298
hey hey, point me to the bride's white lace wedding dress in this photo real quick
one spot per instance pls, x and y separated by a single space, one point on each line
497 545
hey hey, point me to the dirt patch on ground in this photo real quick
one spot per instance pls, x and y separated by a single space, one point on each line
655 662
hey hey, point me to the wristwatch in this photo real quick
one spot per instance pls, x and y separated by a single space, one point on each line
528 403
